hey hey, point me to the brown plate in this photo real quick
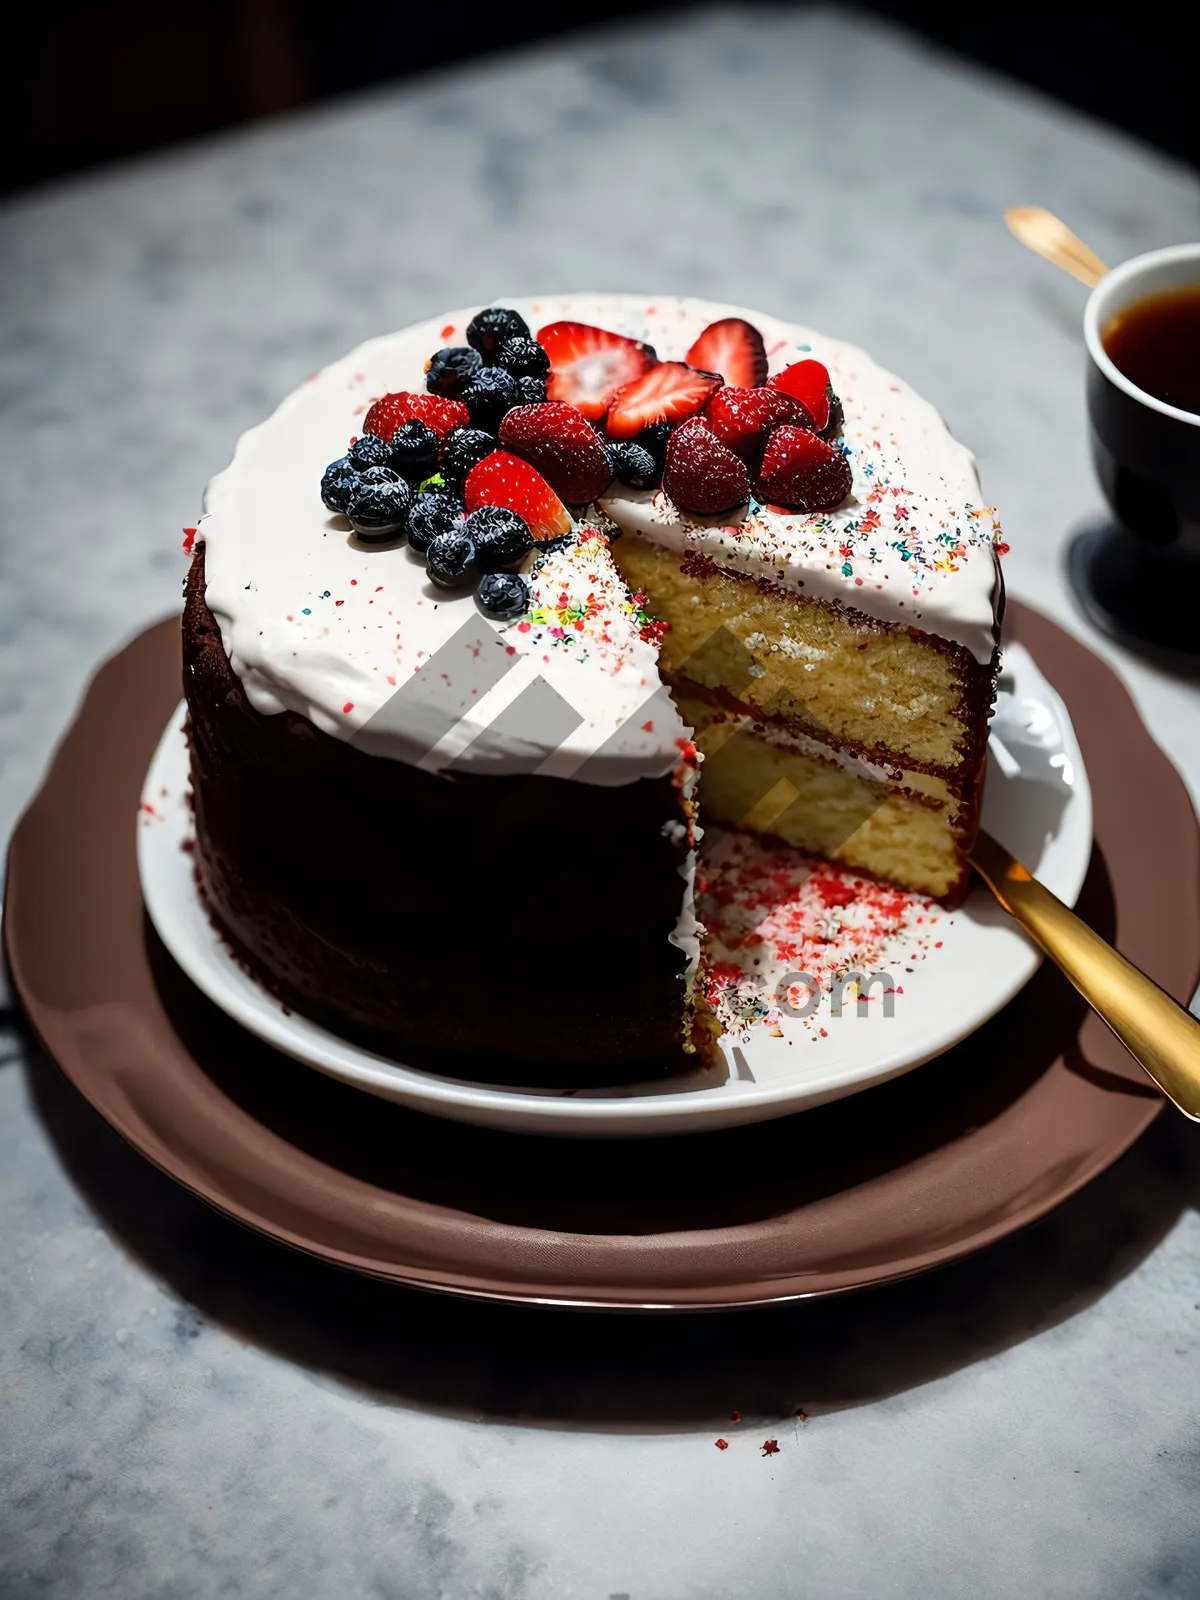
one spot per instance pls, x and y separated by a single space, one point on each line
917 1172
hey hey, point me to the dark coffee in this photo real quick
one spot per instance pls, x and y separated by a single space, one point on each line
1155 342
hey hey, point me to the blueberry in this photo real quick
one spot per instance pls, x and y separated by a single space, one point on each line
635 466
414 449
380 509
432 514
654 439
501 538
451 560
489 395
837 415
533 391
503 595
524 358
464 448
340 484
488 331
370 451
452 369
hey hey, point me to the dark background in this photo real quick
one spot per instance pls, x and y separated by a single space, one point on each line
89 81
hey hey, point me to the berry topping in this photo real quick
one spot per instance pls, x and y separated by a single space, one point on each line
524 358
635 466
432 514
562 444
588 365
489 395
488 331
340 484
463 449
435 411
533 391
380 508
370 451
506 480
809 382
742 418
451 560
702 475
503 595
654 438
501 538
414 449
800 471
733 348
450 371
669 392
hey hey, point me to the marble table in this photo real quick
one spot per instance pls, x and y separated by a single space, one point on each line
187 1410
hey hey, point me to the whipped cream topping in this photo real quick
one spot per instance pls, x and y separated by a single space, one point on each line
315 622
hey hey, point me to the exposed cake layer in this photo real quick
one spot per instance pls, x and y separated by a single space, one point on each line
905 827
817 666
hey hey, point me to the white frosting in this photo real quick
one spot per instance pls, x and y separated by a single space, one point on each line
316 623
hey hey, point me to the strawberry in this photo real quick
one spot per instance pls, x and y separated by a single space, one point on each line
588 365
434 410
742 418
504 480
703 475
802 472
669 392
733 348
808 382
562 444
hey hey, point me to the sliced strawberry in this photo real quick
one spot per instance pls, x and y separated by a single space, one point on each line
434 410
670 392
504 480
802 472
588 365
702 475
562 444
733 348
809 382
743 418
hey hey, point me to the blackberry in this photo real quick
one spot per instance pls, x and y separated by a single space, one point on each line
369 451
451 560
380 508
489 396
533 391
501 538
464 448
503 595
432 514
635 466
414 449
488 331
654 439
524 358
451 370
340 484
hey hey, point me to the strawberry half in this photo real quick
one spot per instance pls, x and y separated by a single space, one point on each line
702 475
808 382
588 365
733 348
561 443
670 392
802 472
743 418
504 480
434 410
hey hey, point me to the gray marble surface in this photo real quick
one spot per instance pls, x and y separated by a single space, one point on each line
186 1410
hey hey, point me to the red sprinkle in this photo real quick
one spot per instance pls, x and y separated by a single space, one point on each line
348 708
770 1447
189 540
735 1416
448 331
722 1444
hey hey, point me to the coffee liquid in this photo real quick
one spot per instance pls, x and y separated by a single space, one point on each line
1156 343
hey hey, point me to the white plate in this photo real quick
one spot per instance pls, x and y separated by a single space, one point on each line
950 971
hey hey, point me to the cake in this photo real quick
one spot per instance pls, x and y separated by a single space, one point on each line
461 695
